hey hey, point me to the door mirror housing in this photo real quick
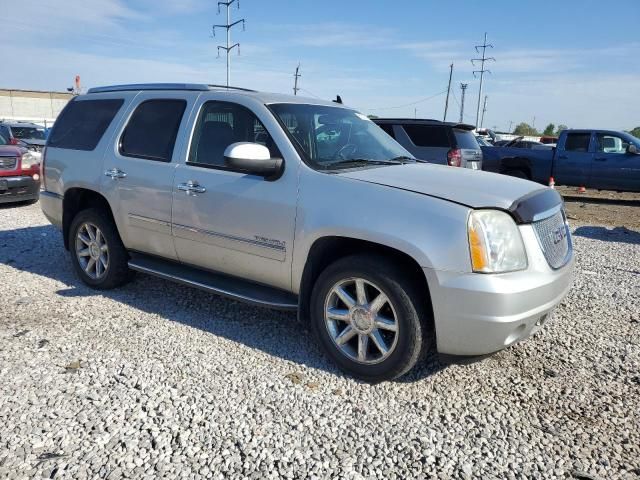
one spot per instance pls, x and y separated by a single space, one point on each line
632 149
253 158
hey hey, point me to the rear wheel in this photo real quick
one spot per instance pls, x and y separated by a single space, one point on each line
97 253
369 318
518 174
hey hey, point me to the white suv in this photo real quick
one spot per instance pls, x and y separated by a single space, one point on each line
305 205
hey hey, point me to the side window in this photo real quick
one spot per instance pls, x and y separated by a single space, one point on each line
82 123
428 136
152 130
4 133
219 125
388 129
608 143
577 142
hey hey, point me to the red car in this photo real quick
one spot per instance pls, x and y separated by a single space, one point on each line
19 174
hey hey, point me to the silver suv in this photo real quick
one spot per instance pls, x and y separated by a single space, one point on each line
305 205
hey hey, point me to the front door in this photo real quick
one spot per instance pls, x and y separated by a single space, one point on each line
573 160
139 170
613 167
228 221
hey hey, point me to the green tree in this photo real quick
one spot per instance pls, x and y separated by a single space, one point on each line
560 128
372 117
549 130
525 129
635 132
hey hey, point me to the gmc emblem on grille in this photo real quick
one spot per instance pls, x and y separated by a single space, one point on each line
559 235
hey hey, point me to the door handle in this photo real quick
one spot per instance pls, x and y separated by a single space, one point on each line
600 159
191 187
115 173
562 157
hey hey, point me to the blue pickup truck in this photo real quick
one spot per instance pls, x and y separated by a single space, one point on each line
600 159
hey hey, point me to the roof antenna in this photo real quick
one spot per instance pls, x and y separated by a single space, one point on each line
338 99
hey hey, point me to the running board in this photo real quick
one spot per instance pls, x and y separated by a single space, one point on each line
218 283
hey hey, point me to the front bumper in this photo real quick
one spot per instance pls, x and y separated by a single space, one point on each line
477 314
18 188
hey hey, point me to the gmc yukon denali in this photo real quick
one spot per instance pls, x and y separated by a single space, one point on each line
304 205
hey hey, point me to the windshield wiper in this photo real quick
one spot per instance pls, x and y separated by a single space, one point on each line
360 161
405 159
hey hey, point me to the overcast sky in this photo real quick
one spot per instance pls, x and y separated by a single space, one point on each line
571 62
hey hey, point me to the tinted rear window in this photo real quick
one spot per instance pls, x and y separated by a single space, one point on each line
152 130
577 142
427 136
466 139
388 129
81 124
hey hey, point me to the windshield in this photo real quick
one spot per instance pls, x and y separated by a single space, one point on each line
336 137
28 132
3 141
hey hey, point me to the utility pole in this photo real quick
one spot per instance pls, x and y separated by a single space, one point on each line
463 87
484 109
295 82
415 113
446 102
482 70
228 26
510 125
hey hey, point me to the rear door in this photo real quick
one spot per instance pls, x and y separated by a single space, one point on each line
466 141
139 170
426 142
573 160
613 167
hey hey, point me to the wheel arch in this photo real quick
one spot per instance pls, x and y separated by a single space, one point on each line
326 250
77 199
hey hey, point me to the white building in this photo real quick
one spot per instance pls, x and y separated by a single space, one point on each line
32 105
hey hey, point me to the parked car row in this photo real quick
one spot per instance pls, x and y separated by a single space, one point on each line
306 205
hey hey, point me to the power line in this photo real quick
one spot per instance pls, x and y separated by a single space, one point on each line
446 102
463 87
411 103
228 26
295 81
482 70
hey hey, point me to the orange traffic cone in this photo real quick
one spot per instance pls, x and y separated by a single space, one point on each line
552 182
581 189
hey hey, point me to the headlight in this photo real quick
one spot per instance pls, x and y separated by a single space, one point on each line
495 242
29 160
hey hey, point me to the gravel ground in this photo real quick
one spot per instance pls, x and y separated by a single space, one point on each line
156 380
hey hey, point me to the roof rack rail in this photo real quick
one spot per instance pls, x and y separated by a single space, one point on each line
161 86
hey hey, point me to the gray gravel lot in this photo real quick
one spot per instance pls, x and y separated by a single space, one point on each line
158 380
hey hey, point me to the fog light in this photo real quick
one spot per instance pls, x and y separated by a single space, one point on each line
36 177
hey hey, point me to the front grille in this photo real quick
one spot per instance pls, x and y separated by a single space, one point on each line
555 239
8 163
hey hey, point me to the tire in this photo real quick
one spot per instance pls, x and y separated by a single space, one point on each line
413 335
517 174
117 272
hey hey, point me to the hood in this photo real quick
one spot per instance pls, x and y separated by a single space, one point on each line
10 151
468 187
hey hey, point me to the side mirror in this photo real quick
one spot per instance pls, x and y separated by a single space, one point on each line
253 158
632 149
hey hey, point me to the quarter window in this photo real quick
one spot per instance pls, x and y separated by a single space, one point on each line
152 130
82 123
427 136
577 142
219 125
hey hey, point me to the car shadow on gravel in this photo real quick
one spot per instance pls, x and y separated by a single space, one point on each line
39 250
617 234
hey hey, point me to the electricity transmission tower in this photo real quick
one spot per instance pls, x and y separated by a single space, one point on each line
228 26
484 109
482 70
446 102
295 81
463 87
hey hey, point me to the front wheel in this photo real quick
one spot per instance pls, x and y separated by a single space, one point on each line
369 319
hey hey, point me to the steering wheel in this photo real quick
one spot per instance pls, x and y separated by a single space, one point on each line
349 150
